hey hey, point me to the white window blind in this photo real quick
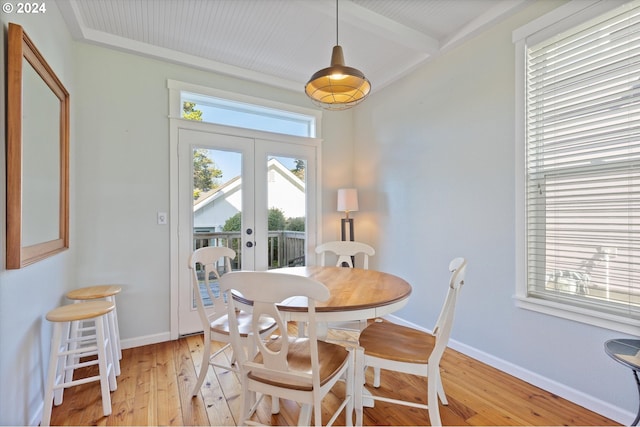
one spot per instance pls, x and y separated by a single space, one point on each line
583 165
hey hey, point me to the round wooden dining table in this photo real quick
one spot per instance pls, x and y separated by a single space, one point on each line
355 294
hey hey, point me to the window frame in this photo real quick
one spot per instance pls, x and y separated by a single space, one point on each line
561 19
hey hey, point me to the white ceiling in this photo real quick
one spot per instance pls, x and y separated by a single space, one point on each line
283 42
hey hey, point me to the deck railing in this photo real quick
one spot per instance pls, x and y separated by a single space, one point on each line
286 248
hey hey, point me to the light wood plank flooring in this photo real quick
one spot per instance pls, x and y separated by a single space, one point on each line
155 386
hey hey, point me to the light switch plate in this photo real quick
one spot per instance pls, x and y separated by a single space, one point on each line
162 218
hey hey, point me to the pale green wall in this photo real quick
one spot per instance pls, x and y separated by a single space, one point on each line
436 160
123 174
26 295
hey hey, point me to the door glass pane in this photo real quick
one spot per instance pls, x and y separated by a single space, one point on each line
217 205
286 197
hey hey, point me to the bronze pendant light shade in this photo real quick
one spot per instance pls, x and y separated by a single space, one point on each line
337 87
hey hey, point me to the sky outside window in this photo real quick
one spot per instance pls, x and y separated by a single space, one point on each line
242 115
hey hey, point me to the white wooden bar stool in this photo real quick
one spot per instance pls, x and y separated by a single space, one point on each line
104 292
65 358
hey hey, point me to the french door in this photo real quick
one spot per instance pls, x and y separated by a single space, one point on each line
262 202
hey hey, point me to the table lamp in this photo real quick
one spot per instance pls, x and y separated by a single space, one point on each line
347 202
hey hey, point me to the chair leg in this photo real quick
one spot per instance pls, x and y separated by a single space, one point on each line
247 404
302 332
304 418
432 396
441 394
350 385
358 384
376 377
204 366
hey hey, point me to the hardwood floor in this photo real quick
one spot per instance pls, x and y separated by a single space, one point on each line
155 386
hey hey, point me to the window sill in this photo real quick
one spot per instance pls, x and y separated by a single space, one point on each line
577 314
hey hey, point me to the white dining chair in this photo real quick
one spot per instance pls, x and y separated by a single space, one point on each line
212 307
398 348
345 250
302 369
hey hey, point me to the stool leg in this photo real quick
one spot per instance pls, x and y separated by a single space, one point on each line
116 329
72 344
102 365
113 364
63 372
113 341
51 375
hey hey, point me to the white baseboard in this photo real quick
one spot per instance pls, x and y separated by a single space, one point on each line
579 398
36 418
145 340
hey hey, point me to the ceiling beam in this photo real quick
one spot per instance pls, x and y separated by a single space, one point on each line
499 11
367 20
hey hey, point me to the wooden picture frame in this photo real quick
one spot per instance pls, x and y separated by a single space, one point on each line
37 155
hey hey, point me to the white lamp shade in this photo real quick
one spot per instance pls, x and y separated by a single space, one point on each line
347 199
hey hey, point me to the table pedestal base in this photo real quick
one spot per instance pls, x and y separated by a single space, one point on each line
635 375
627 352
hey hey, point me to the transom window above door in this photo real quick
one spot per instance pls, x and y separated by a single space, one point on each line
245 115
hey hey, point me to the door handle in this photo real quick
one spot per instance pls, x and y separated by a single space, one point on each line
250 232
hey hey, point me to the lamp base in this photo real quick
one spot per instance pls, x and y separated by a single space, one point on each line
343 224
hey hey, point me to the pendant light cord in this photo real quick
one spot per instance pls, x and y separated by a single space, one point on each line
337 43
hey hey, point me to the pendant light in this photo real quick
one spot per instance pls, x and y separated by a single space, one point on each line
337 87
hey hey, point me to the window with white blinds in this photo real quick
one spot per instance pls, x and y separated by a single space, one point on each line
582 161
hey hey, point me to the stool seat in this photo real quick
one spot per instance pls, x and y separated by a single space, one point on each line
87 310
94 292
107 293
